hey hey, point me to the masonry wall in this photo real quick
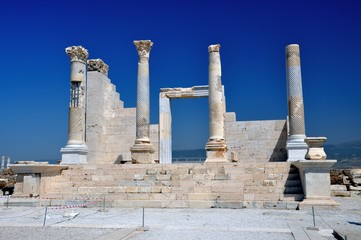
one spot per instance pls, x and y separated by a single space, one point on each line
110 128
225 185
256 141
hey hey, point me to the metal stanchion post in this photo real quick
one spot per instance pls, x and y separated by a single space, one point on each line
313 215
104 203
46 211
7 203
143 218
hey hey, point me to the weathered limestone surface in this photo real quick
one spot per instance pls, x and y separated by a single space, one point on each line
256 141
111 128
216 146
315 177
143 151
226 185
75 152
315 148
296 146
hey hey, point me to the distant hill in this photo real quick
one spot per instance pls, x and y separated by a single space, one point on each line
348 155
200 153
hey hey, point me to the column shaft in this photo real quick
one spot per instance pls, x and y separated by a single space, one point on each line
296 147
143 102
216 147
76 149
143 151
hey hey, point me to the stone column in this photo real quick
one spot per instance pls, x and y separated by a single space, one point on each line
2 162
8 162
165 129
216 147
76 150
143 151
296 146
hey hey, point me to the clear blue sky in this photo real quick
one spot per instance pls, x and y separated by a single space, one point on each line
253 34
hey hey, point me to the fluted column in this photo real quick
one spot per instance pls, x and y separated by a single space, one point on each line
296 147
76 149
216 147
143 151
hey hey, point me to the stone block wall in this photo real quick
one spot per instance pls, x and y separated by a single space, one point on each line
256 141
227 185
110 128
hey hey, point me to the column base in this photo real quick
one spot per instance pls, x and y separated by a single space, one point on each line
296 148
74 154
142 153
216 151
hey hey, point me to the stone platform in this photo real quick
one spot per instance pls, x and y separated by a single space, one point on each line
210 185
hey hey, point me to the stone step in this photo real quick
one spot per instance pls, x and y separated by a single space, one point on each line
293 197
293 176
293 190
293 183
293 169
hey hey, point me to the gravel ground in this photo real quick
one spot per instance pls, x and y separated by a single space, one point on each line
92 223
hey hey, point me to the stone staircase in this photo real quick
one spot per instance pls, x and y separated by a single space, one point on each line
218 185
293 186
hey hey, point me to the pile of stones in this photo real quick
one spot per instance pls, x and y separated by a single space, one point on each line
7 181
346 182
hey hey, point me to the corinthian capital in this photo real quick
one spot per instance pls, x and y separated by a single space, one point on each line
77 53
143 47
214 48
98 65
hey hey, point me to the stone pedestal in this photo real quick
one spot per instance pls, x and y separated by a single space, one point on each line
216 147
315 148
315 177
143 151
29 176
74 154
76 150
296 147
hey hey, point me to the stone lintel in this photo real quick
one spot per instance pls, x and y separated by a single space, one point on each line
98 65
36 167
190 92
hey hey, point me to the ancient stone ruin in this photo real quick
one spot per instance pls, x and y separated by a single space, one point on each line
115 152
